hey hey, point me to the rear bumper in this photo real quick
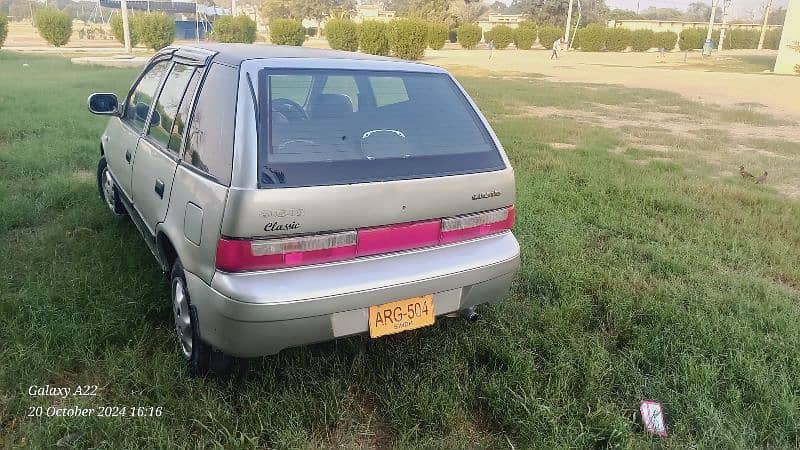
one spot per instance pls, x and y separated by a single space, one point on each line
261 313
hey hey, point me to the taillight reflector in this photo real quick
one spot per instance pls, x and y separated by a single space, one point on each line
475 225
238 255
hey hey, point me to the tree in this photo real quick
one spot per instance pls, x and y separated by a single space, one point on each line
499 7
467 12
372 37
235 29
408 37
155 30
622 14
700 12
433 10
653 13
53 25
318 10
286 32
777 16
276 9
554 12
342 34
116 28
469 35
3 29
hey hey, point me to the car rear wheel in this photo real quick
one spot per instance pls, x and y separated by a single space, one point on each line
202 358
108 190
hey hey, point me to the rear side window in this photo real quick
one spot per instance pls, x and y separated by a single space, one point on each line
209 143
358 126
168 102
141 99
182 118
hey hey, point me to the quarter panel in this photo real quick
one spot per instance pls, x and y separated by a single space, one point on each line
196 191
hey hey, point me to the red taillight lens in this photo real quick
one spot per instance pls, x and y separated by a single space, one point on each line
234 255
238 255
398 237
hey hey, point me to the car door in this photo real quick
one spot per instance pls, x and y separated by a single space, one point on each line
203 176
122 134
156 159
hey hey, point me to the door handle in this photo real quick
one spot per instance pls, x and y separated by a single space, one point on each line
159 188
128 156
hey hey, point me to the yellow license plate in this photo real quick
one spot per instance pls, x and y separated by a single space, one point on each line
402 315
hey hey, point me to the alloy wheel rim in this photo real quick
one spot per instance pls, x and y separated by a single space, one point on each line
180 313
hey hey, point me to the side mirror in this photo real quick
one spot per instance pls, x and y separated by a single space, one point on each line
103 104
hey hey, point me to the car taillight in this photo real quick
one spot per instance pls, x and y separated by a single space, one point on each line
239 255
471 226
235 255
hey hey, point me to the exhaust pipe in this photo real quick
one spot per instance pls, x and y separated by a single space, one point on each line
470 315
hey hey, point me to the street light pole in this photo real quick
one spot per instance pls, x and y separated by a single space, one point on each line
711 19
764 25
569 23
126 28
726 6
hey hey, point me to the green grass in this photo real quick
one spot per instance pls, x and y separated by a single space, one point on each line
639 281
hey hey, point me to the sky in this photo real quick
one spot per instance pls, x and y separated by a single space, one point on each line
741 8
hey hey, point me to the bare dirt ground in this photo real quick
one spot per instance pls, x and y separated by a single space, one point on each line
692 78
716 149
22 35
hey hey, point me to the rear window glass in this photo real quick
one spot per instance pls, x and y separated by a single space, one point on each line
321 127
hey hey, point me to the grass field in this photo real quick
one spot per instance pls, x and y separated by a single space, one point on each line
650 271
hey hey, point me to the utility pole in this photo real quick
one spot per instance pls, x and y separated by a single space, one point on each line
764 25
233 7
726 7
569 22
711 19
126 27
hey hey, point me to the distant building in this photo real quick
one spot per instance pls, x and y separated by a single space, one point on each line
372 12
677 26
491 20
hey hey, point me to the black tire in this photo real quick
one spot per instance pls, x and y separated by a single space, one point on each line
202 359
111 199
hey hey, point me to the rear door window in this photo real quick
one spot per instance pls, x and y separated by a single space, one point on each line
321 127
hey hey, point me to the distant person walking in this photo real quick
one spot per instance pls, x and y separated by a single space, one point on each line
556 48
491 48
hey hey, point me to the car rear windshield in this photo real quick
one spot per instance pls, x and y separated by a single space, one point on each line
324 127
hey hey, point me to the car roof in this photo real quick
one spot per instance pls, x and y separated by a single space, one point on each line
235 54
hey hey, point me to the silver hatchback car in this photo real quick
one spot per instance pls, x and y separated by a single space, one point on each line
297 195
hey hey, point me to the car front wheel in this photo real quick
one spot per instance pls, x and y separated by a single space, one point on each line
108 190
